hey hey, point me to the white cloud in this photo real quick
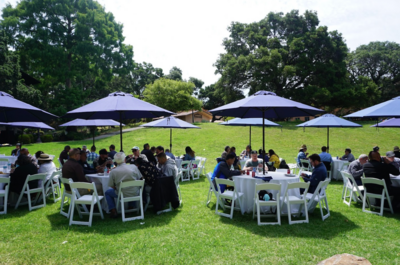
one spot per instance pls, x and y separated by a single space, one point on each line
188 34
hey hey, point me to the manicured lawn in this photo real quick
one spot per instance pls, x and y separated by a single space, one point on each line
193 233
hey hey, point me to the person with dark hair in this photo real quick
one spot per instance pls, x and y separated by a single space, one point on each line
325 157
236 162
18 175
167 166
273 157
266 157
16 151
319 173
168 153
150 173
37 154
92 156
112 152
102 161
254 162
86 167
190 154
147 152
135 155
64 154
348 156
159 150
25 152
396 151
227 151
302 155
222 170
153 150
246 152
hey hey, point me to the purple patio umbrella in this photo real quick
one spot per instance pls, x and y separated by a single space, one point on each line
14 110
118 106
38 125
390 123
328 121
172 123
265 104
390 108
91 123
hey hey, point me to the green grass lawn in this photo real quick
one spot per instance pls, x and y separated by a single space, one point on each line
194 233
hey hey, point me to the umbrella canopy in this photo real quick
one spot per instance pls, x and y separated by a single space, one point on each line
390 108
265 104
172 123
249 122
91 123
13 110
327 121
118 106
39 125
391 123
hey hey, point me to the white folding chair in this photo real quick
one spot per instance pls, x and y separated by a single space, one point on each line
289 200
59 162
185 170
383 196
194 169
53 186
2 154
91 200
230 195
350 185
39 191
297 166
276 203
319 197
67 195
345 166
122 199
4 193
303 167
178 188
212 190
202 166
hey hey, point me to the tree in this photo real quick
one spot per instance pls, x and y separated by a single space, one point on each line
75 43
198 84
175 74
10 75
290 55
210 98
144 74
172 95
378 61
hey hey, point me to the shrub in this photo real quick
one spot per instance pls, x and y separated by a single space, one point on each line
24 139
47 138
32 138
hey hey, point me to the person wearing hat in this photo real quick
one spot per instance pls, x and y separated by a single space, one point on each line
393 159
121 173
17 150
302 155
396 151
348 156
46 165
136 154
102 161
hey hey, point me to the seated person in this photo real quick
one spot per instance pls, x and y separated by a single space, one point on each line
150 173
92 155
236 164
147 152
222 170
356 168
64 154
227 151
190 154
394 160
135 155
73 170
319 174
302 155
112 152
348 156
273 157
246 153
396 151
84 149
325 157
153 150
46 165
18 175
266 157
24 151
159 150
121 173
168 153
254 162
16 151
86 167
167 166
374 168
102 161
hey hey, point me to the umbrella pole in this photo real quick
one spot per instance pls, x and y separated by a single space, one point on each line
327 146
94 128
263 151
170 140
250 136
120 129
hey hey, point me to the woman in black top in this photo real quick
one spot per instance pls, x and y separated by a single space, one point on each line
18 177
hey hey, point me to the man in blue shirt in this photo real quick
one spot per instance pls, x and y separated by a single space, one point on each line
325 157
319 174
222 170
168 153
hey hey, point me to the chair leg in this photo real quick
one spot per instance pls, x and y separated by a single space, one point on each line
100 209
19 199
123 210
382 205
232 207
71 215
91 214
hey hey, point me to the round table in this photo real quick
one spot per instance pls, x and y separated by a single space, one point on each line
103 180
246 185
336 167
395 180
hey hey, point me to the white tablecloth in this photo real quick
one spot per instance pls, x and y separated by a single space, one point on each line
2 186
336 166
11 159
395 180
246 185
103 180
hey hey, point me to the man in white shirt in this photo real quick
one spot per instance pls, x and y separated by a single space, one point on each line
121 173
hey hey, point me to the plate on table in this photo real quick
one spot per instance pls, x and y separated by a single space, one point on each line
290 175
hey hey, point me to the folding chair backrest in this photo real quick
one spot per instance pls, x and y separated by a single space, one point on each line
349 176
268 186
82 185
41 176
5 180
65 181
185 163
224 182
301 185
56 174
195 162
131 183
375 181
209 176
4 160
320 190
305 161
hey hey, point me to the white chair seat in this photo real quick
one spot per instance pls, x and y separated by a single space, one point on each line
231 194
294 199
88 199
2 192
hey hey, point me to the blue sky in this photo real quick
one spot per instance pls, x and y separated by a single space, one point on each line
189 33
